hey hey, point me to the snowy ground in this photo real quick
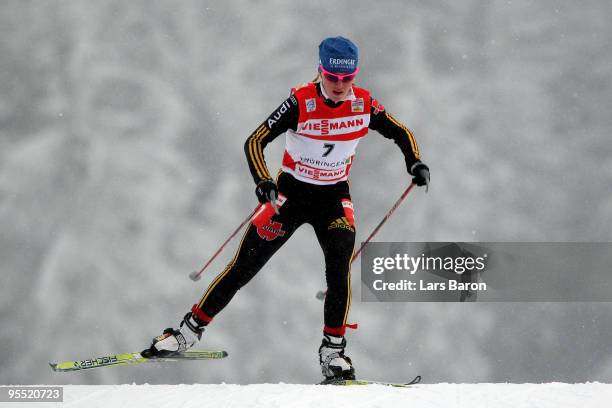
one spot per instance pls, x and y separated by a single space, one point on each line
554 395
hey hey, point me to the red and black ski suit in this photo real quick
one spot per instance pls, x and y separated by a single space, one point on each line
313 188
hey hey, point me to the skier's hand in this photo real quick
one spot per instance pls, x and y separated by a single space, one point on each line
266 190
420 173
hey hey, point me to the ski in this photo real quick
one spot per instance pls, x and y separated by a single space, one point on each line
134 358
416 380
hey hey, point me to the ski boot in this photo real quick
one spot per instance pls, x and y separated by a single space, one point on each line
334 364
173 341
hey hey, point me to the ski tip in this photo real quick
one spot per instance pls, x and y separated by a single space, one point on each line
53 366
224 354
416 380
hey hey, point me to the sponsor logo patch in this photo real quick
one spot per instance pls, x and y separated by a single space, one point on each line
332 126
377 107
277 115
357 105
311 105
271 230
320 174
341 223
349 212
342 61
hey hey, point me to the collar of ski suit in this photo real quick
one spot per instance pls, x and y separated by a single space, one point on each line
349 97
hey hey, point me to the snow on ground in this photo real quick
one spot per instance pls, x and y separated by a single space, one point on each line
553 395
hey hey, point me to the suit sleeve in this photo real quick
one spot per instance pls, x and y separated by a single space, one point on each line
285 117
391 128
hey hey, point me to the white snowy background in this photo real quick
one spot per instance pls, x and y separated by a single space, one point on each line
122 125
550 395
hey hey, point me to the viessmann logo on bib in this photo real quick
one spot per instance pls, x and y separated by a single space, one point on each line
315 127
319 174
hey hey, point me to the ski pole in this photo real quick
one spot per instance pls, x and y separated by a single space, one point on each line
321 294
382 222
195 276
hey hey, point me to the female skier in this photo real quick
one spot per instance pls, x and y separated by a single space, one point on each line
323 121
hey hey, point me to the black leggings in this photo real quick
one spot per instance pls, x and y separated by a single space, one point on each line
329 210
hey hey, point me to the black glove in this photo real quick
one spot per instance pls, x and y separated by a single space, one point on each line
420 171
264 191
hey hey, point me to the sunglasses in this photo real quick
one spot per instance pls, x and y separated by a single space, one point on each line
330 76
